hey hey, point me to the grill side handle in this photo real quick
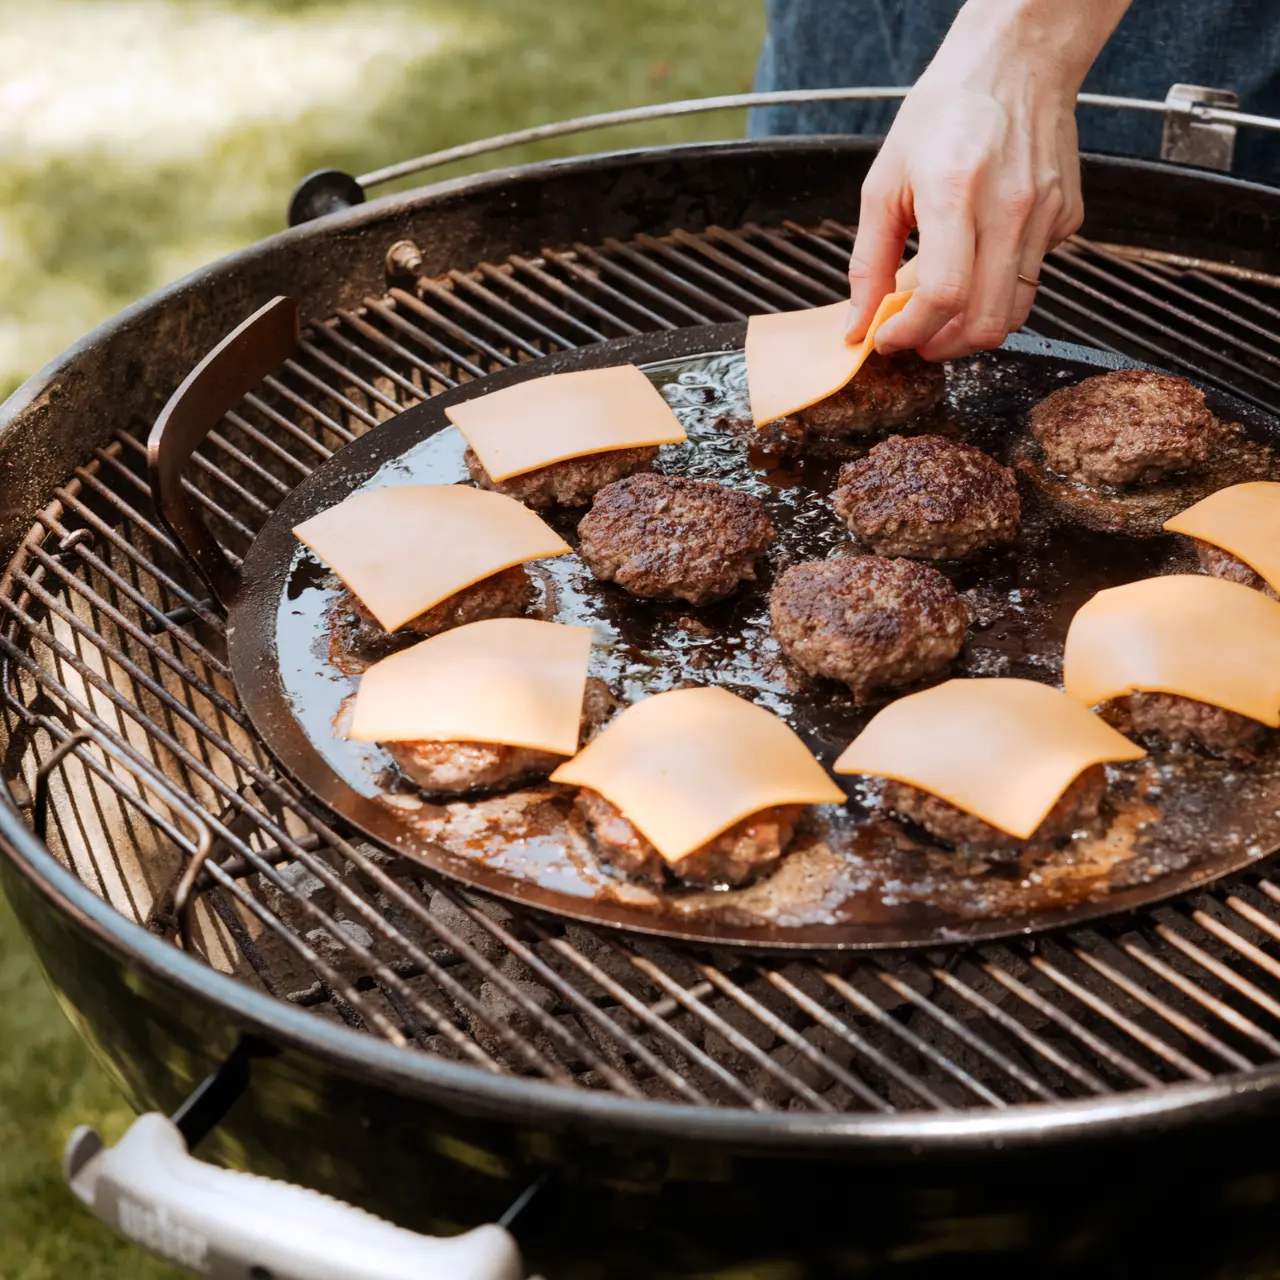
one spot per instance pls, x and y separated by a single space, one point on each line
238 1226
247 355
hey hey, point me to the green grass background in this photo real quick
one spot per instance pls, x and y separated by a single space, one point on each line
88 226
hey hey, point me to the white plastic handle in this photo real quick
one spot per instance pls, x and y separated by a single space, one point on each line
238 1226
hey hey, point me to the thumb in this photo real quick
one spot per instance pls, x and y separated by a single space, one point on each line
877 250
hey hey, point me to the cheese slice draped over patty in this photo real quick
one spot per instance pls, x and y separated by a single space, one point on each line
685 766
1001 750
514 681
1242 520
796 358
1189 634
562 416
403 549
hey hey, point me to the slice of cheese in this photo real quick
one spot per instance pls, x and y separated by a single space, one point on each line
565 415
1002 750
796 358
508 680
1189 634
1243 520
406 548
686 765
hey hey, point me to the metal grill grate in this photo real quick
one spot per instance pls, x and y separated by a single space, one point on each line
123 722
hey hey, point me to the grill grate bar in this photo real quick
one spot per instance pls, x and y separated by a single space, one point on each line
673 280
810 1052
379 366
1007 1022
610 266
1175 1019
1220 1009
928 1052
993 1055
1155 1044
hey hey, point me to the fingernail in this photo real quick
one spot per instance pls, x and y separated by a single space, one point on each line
855 330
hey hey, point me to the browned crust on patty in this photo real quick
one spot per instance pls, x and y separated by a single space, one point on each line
1076 808
868 621
929 498
1130 426
669 537
571 483
733 857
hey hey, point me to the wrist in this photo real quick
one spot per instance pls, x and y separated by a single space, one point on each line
1056 41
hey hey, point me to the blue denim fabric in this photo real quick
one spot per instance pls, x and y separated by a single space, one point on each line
1229 44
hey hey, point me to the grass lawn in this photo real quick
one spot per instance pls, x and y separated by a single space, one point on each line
141 138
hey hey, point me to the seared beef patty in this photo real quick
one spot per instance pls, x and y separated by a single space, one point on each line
570 483
356 638
447 769
868 621
1222 564
1186 722
505 594
732 858
886 392
1076 808
1128 427
667 537
929 498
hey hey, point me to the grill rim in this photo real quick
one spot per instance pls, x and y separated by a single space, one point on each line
1131 1113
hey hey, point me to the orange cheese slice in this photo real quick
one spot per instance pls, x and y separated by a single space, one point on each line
1189 634
1002 750
509 680
686 765
1243 520
796 358
565 415
406 548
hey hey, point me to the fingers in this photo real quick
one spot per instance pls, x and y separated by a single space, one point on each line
877 249
944 268
986 320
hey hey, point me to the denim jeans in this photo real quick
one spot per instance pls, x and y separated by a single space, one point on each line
1228 44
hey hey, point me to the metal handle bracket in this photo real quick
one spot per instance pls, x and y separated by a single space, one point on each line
246 356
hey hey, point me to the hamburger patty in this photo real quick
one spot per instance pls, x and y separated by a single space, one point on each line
732 858
1186 722
929 498
571 483
1078 806
668 537
870 622
1127 427
447 769
1222 564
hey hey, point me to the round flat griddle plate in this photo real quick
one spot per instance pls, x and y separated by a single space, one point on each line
278 636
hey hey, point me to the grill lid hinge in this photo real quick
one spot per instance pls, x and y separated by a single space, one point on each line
1192 140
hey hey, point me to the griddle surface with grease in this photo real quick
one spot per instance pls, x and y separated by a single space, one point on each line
853 878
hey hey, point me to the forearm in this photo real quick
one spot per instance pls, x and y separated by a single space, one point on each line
1058 39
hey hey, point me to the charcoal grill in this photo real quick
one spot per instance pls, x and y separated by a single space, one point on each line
326 1013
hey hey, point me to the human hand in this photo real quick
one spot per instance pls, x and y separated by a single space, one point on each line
983 160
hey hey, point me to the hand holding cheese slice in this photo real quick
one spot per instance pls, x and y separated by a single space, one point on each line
1001 750
685 766
1242 520
565 415
796 358
403 549
1186 634
513 681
